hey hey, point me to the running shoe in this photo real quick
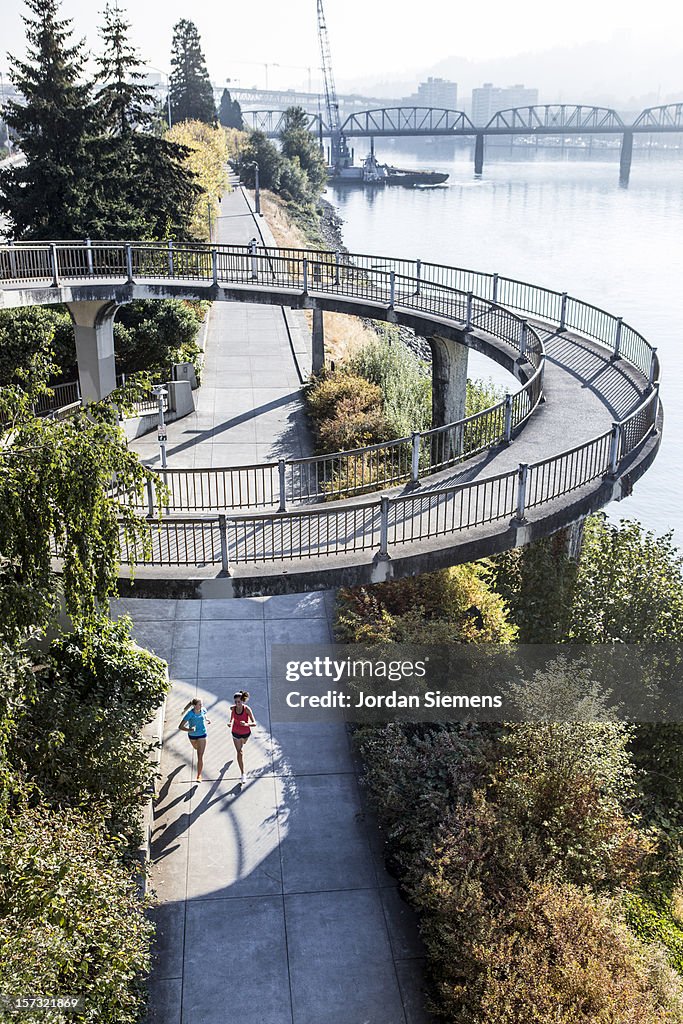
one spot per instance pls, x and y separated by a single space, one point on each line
243 778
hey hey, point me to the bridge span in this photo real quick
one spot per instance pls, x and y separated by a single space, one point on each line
558 119
584 427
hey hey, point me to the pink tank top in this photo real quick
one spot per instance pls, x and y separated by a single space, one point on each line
239 721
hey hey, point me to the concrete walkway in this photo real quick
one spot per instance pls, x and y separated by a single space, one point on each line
273 903
249 408
279 883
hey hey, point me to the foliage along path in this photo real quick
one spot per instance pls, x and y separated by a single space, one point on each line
273 901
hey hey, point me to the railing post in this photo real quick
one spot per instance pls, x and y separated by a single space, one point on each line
523 339
418 275
655 411
468 314
494 291
415 460
384 527
281 469
305 275
12 259
653 366
392 288
214 266
55 267
88 255
149 487
223 531
252 253
129 263
171 268
336 267
508 418
522 480
614 449
617 338
563 312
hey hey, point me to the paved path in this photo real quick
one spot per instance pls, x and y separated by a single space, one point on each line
249 408
279 884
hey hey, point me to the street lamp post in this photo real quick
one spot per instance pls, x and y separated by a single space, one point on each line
257 191
160 392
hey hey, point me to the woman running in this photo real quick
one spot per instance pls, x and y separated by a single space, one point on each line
194 722
241 720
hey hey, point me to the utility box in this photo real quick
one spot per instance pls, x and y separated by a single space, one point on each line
185 371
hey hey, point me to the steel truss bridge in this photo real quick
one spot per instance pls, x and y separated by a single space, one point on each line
561 119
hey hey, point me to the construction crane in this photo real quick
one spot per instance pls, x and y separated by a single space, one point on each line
339 150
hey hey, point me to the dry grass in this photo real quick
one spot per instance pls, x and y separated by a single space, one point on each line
285 233
343 334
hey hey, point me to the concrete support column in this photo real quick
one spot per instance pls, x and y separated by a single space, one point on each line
449 380
94 330
318 361
479 153
625 158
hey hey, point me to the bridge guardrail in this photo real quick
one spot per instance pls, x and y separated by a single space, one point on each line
380 524
430 288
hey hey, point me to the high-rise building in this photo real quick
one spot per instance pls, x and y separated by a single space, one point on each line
489 99
435 92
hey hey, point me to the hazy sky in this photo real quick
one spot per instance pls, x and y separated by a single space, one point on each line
368 37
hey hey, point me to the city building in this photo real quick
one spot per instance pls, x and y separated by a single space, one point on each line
435 92
488 99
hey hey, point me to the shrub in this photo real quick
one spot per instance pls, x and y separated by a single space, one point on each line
403 381
654 916
152 336
554 954
325 394
452 605
70 918
80 736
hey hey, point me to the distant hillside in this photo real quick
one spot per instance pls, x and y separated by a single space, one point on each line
621 73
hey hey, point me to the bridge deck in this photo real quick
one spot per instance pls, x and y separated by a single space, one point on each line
569 459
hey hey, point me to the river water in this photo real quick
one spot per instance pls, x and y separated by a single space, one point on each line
568 225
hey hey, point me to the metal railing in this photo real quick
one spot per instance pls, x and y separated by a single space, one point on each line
470 299
347 528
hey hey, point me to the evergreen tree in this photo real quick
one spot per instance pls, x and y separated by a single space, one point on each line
191 90
146 190
127 104
49 196
230 112
299 144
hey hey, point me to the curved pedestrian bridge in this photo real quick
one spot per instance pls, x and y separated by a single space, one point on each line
581 430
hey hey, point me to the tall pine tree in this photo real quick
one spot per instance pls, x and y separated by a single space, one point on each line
191 90
148 192
230 112
49 196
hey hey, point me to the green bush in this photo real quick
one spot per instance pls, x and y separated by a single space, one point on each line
325 394
403 381
654 916
71 922
79 738
153 335
452 605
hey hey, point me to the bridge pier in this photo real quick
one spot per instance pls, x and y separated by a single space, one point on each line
479 153
94 329
449 380
625 158
318 341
